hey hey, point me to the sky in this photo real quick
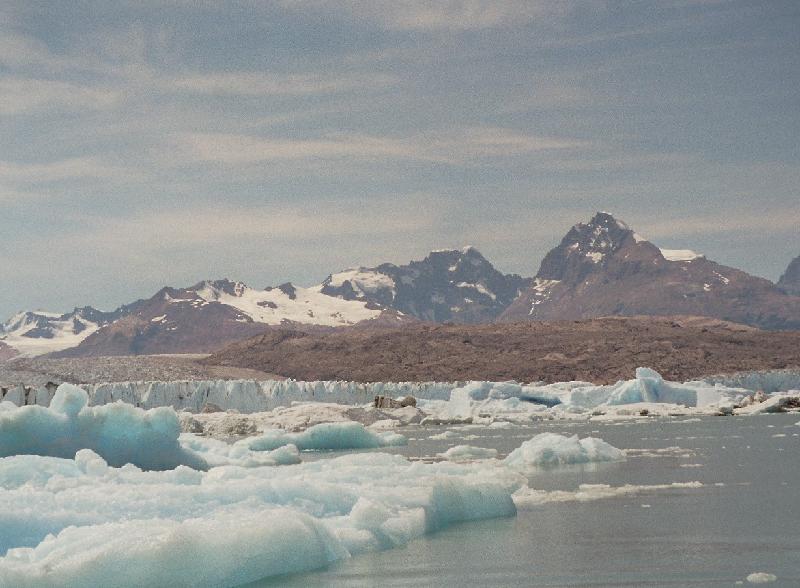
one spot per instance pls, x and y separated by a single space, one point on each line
148 143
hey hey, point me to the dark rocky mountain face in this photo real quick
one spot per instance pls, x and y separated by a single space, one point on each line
790 280
603 268
458 286
174 320
7 352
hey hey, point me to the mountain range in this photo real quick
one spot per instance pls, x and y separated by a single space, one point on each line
600 268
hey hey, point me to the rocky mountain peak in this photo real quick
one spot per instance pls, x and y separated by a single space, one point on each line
223 285
790 280
458 285
603 268
586 247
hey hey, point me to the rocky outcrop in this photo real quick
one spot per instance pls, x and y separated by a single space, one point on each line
603 268
458 286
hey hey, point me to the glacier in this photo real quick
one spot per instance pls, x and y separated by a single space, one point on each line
443 401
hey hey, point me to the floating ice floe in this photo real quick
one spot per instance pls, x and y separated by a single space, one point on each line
528 497
326 436
79 522
297 417
761 578
467 453
550 449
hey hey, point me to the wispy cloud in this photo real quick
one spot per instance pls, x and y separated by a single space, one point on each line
24 96
265 84
460 147
64 169
169 229
448 15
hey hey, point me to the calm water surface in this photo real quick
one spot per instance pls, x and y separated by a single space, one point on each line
744 519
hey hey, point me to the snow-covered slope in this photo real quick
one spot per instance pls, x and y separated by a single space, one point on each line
37 333
287 303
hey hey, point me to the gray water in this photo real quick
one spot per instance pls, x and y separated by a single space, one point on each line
744 519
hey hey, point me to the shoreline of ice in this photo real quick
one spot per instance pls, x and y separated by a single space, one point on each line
442 402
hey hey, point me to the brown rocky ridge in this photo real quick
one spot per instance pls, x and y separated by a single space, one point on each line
597 350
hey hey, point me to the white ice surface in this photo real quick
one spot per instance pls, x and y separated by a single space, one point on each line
121 433
761 578
467 453
81 523
443 402
529 497
326 436
551 449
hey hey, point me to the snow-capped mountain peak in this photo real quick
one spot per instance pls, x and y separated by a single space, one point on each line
603 268
458 285
33 333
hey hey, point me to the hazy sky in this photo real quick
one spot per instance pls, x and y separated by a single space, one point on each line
147 143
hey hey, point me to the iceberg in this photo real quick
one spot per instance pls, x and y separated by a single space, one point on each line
551 449
69 522
326 436
467 453
119 432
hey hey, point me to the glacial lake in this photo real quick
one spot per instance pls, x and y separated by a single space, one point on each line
743 519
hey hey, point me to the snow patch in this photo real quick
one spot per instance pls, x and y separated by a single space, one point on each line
681 254
306 305
362 280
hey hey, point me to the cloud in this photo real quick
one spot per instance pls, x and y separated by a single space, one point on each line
459 147
443 15
265 84
24 96
64 169
751 222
